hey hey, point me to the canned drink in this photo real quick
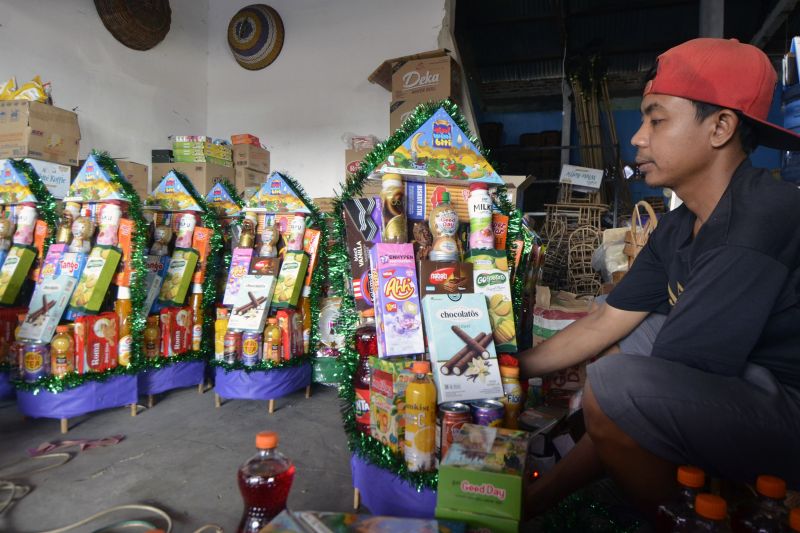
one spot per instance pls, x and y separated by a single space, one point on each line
251 348
487 413
35 361
186 224
109 215
232 346
452 415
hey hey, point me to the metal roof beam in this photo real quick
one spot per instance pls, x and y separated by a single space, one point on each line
773 21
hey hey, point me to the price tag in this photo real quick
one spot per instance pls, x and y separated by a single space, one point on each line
589 178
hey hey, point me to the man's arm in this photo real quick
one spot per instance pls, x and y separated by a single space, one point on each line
581 340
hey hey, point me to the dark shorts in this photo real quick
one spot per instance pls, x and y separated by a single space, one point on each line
732 427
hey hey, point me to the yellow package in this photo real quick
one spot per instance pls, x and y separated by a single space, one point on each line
8 89
32 91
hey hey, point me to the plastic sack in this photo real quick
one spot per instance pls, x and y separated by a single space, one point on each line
610 256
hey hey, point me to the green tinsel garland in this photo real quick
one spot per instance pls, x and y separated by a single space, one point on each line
45 202
262 366
138 322
209 219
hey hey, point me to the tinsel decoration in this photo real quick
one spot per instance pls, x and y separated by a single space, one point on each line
56 384
580 513
364 446
261 366
45 202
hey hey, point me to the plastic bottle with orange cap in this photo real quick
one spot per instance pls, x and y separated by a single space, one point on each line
677 515
768 513
420 420
711 513
264 481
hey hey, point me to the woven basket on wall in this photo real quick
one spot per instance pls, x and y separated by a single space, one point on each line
138 24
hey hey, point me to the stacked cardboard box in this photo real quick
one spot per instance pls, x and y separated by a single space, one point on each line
200 149
39 131
202 175
416 79
251 162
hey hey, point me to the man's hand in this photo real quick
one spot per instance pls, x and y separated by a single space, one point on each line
581 340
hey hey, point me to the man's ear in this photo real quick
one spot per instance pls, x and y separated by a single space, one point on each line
725 124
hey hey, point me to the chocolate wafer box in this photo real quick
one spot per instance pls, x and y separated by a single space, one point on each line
461 346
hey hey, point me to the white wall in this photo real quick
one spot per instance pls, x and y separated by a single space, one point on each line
127 101
317 89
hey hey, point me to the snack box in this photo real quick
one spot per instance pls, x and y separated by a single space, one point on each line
14 272
201 243
51 261
436 277
387 395
482 474
179 277
461 347
397 310
500 230
127 228
305 521
252 302
40 232
176 330
290 280
69 264
490 272
291 323
50 299
239 267
157 266
95 279
362 231
311 240
95 342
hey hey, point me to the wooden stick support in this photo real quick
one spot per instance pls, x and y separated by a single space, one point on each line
271 406
308 391
217 400
201 388
133 409
356 499
64 425
150 401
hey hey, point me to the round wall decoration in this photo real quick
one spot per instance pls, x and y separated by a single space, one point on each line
255 35
138 24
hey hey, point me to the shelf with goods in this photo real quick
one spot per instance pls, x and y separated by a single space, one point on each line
265 334
79 347
471 292
182 267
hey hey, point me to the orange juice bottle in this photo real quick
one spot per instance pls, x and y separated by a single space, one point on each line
420 417
305 310
62 352
124 311
152 338
220 327
273 341
196 303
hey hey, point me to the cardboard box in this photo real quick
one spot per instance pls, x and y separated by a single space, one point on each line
399 111
179 277
352 160
248 180
361 232
478 522
95 342
290 280
252 157
434 78
490 273
15 269
137 175
245 138
55 177
202 175
437 277
252 303
95 279
176 330
383 74
482 473
40 322
40 131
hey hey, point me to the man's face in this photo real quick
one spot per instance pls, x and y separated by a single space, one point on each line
672 146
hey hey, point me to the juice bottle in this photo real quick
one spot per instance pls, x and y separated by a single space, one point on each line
124 311
444 224
366 346
393 207
710 514
677 515
794 520
264 481
481 235
420 418
273 341
767 513
220 327
512 396
152 338
62 352
196 303
16 345
305 313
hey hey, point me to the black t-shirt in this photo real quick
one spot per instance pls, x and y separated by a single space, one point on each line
731 292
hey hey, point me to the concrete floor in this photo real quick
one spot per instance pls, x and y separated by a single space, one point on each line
182 456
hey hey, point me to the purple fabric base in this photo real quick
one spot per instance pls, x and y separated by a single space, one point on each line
385 494
239 385
176 376
91 396
6 388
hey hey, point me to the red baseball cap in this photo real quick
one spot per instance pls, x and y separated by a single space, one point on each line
726 73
